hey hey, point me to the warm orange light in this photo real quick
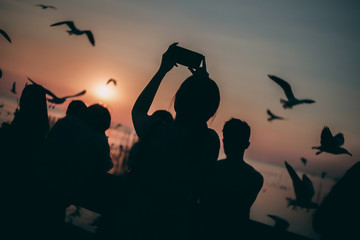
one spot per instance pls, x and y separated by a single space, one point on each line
105 92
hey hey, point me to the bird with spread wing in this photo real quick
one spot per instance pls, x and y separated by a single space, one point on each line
331 144
303 188
55 99
45 6
292 100
111 81
273 116
76 31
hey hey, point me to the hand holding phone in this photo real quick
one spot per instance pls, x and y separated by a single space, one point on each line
187 57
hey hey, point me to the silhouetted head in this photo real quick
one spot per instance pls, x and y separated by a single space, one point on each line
33 110
76 108
197 99
236 135
97 117
163 116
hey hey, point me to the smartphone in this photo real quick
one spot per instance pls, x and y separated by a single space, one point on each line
187 57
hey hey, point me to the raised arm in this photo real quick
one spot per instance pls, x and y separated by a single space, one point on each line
142 105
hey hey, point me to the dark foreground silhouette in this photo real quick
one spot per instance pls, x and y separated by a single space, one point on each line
338 215
233 186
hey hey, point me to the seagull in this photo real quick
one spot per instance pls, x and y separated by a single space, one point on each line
55 99
272 116
45 6
303 160
76 31
13 89
331 144
280 223
5 35
111 80
304 190
292 101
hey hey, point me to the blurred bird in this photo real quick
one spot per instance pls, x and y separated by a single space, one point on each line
45 6
292 101
304 190
5 35
111 80
323 174
13 89
0 73
76 31
1 105
273 116
331 144
55 99
303 160
280 223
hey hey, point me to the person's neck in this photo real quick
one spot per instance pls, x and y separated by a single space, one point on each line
236 158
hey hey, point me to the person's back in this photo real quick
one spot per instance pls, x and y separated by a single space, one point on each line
233 186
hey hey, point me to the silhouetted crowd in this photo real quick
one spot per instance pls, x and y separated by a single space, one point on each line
175 187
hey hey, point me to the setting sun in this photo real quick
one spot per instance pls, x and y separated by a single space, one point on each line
105 92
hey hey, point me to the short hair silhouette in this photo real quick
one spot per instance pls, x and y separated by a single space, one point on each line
98 117
163 116
236 134
197 99
76 108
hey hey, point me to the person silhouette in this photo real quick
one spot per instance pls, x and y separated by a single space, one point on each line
174 158
336 217
233 186
76 108
19 141
73 162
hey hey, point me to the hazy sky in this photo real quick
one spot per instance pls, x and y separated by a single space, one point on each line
314 45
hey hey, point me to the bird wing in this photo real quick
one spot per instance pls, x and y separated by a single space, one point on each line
294 177
14 85
70 24
309 186
111 80
339 138
76 95
52 7
284 85
270 113
303 160
90 37
5 35
307 101
326 137
48 92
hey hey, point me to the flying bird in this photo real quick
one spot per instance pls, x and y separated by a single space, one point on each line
331 144
111 80
55 99
76 31
304 190
45 6
292 100
273 116
280 223
303 160
1 105
13 89
5 35
0 73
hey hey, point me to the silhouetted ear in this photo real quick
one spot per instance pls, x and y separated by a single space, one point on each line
246 145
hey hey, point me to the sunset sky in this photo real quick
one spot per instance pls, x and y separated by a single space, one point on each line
314 45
